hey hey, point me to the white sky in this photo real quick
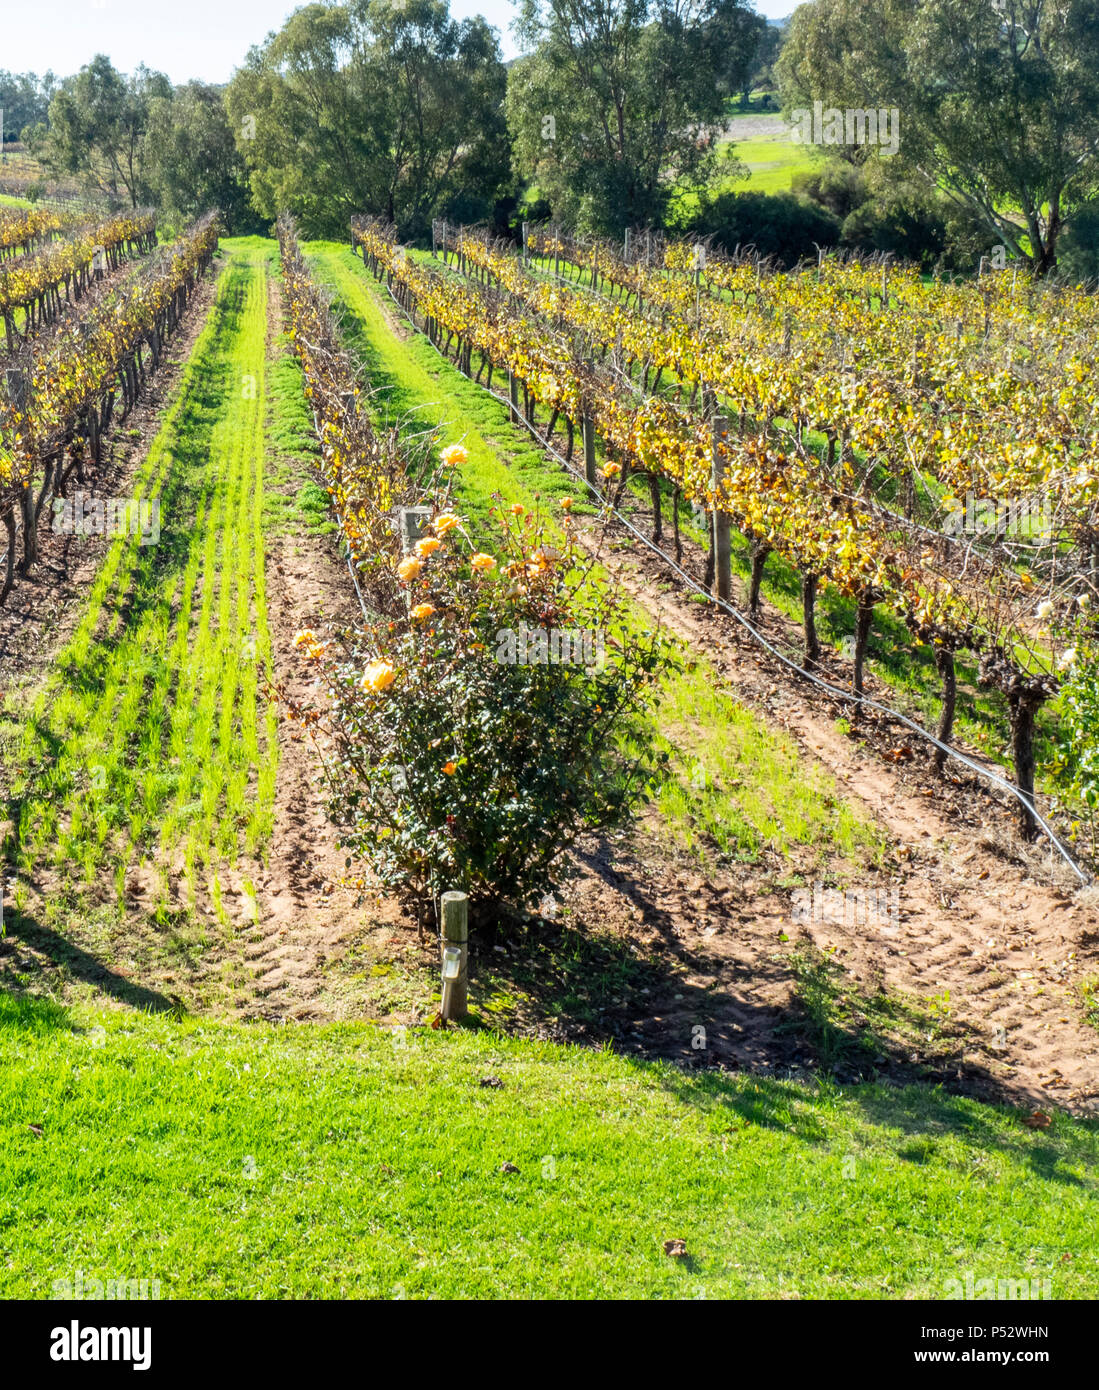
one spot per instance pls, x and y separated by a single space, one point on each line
206 39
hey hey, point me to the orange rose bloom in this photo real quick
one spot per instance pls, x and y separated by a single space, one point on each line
454 455
483 562
446 522
422 611
378 676
409 569
428 546
450 769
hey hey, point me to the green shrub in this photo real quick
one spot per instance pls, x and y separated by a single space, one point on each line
1078 254
457 768
775 224
835 184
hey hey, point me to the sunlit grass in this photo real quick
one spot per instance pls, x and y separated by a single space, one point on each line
148 730
348 1161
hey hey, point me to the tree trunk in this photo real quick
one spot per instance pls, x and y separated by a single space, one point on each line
944 660
864 620
758 551
1023 708
808 608
658 520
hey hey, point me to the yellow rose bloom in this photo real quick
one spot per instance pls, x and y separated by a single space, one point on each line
446 522
454 455
409 569
378 676
428 546
483 562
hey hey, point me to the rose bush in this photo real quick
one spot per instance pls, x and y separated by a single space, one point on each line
454 766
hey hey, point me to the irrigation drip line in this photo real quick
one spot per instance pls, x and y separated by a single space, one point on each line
845 695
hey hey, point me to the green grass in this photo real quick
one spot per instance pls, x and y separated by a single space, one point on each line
740 785
304 506
774 802
149 744
344 1161
773 162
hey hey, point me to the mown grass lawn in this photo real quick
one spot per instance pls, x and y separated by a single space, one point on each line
347 1161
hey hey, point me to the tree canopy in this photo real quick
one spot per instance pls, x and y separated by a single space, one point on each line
998 100
386 106
618 101
97 126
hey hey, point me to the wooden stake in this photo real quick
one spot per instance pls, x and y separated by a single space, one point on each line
723 548
589 451
455 933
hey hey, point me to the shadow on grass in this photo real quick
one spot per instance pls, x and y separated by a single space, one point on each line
922 1119
74 960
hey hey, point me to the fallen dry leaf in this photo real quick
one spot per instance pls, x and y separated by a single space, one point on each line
677 1249
1039 1120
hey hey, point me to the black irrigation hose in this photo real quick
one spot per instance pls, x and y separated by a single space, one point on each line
846 695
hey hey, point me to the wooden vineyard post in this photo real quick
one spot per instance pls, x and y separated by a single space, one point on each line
455 956
944 660
412 522
513 396
864 619
589 451
808 608
723 547
526 243
17 387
